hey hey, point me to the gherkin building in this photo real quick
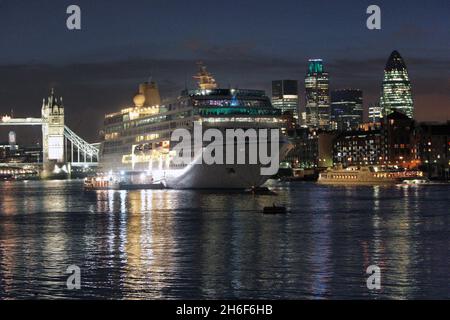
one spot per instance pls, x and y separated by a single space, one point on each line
396 92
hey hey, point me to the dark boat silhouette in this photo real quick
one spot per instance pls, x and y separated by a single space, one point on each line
275 210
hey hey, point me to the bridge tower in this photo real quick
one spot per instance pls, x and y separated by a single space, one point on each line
52 133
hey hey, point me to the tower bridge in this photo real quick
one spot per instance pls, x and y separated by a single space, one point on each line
63 149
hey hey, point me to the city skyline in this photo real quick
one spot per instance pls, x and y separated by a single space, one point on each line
97 68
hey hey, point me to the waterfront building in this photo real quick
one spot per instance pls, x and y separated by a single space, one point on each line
304 153
346 109
312 148
388 143
433 147
399 132
396 90
285 96
317 96
359 147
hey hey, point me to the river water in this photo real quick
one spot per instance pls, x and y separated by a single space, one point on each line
168 244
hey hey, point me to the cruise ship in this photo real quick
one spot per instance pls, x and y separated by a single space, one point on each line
138 138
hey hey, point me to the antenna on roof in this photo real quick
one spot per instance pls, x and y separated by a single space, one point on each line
205 79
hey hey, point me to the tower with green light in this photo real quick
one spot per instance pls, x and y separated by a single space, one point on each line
396 91
317 96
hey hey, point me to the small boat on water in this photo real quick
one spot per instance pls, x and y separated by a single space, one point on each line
275 210
6 177
423 182
101 183
261 191
415 181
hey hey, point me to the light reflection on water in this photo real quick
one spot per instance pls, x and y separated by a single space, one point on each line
159 244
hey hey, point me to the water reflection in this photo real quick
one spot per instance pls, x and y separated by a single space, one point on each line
191 244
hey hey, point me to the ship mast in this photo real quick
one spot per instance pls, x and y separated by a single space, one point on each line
205 79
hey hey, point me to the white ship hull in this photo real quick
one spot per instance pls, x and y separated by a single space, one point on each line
201 176
217 176
198 175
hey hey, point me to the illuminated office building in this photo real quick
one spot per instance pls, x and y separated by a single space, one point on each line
375 113
396 92
285 96
346 109
317 95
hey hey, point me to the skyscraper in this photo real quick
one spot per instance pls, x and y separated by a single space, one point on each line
346 109
285 96
317 96
396 92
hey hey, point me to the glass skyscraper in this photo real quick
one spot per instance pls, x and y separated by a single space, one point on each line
285 96
346 109
317 95
396 91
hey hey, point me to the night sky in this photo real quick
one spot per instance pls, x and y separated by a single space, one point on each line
243 43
